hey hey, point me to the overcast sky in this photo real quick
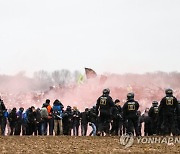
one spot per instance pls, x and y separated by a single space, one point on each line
116 36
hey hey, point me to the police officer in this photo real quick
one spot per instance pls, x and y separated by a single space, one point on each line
130 109
178 117
168 109
153 114
103 109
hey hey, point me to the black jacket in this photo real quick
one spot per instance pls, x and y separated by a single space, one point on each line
2 108
154 112
168 106
84 116
130 109
117 112
12 116
67 118
76 117
104 105
31 116
92 116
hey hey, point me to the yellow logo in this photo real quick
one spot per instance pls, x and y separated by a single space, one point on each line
103 101
169 100
131 107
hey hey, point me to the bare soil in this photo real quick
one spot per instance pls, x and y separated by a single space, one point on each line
67 144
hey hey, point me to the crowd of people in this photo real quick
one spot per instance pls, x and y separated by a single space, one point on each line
106 117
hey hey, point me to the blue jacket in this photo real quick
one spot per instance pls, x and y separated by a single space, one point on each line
6 114
57 112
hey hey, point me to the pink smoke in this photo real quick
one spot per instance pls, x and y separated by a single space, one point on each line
148 87
86 94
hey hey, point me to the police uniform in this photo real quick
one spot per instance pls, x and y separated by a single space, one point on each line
103 109
168 109
153 114
130 115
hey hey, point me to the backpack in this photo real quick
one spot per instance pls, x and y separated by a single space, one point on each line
44 113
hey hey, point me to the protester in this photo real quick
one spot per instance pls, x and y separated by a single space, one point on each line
105 118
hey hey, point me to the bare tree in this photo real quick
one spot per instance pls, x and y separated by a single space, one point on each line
56 77
43 79
65 77
76 76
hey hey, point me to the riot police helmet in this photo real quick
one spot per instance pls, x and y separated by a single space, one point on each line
169 92
130 96
106 91
155 103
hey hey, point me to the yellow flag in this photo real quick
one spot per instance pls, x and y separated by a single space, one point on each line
80 79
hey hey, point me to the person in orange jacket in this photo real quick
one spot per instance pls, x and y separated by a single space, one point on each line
50 120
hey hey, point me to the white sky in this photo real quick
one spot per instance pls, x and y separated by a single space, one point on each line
109 36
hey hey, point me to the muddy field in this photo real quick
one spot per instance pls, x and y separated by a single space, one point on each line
62 144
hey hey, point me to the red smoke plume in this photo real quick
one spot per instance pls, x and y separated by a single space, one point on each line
147 87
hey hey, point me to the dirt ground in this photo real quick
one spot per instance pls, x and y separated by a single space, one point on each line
64 144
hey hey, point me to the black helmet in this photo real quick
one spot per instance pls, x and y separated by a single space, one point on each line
130 96
106 91
169 91
155 103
